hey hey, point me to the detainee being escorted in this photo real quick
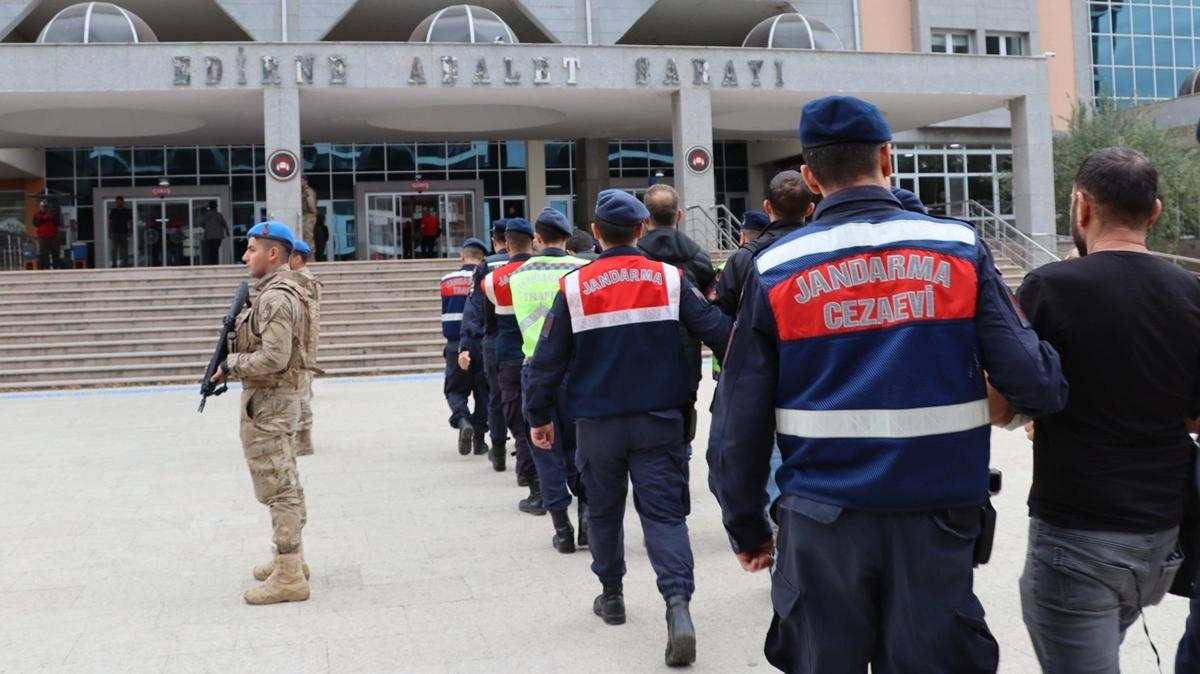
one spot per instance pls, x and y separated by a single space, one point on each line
268 356
461 384
613 333
864 346
299 264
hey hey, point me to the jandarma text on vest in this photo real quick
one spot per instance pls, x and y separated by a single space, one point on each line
623 275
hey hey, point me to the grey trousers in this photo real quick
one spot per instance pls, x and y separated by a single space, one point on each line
1082 589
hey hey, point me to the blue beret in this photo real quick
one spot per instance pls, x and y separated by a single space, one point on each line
755 221
519 225
475 242
908 200
620 208
842 119
498 226
275 230
553 218
302 248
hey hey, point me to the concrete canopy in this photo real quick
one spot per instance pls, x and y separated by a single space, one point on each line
78 92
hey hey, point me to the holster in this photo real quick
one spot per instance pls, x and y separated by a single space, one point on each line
987 534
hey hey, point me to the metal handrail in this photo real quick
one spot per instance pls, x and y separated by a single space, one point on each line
13 248
1000 234
720 227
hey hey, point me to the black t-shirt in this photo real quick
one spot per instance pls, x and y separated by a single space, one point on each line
118 220
1127 326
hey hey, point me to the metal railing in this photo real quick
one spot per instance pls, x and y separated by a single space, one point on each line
1003 237
14 248
713 228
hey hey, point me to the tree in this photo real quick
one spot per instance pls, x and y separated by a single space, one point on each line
1175 155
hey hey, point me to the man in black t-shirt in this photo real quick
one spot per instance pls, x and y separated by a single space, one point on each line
119 219
1111 471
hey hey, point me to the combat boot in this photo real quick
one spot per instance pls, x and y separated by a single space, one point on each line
533 504
583 524
304 446
264 571
481 447
497 456
286 583
564 533
610 605
466 436
681 634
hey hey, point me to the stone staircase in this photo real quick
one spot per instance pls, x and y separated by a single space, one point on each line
119 327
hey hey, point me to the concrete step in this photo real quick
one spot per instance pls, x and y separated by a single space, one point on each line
200 338
193 368
363 320
164 311
202 297
72 291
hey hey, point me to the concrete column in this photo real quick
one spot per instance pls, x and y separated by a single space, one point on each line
691 126
535 176
281 131
1033 167
591 177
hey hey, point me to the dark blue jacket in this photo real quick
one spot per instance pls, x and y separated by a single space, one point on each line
456 287
499 302
614 328
476 322
861 346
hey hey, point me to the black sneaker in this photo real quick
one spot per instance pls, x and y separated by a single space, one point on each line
610 606
466 436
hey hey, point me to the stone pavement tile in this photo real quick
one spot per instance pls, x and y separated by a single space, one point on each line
387 595
127 644
413 652
27 649
17 602
302 658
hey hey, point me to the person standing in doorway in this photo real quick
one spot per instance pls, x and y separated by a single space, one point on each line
431 228
46 223
308 209
215 230
320 237
120 219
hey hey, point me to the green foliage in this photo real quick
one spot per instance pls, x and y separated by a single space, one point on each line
1175 155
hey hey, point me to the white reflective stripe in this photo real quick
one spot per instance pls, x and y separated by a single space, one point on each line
533 318
462 273
574 297
451 317
864 234
910 423
489 288
505 311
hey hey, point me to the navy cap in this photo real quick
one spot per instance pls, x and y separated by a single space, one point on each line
498 226
520 225
274 230
302 248
620 208
842 119
476 243
908 200
755 221
553 218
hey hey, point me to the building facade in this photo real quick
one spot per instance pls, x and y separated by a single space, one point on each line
392 111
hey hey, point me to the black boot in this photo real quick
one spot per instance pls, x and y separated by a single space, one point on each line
564 533
481 447
583 524
533 504
466 435
681 634
496 454
610 605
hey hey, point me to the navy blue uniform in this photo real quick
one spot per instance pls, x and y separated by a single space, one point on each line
461 384
861 344
509 360
613 332
479 333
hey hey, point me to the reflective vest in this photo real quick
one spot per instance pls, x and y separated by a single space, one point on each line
456 286
533 288
625 320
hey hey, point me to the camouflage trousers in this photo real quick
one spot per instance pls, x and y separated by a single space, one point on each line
306 401
307 224
269 420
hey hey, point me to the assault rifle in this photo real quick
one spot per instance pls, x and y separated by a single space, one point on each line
207 387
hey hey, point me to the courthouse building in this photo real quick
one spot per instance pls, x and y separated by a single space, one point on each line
393 110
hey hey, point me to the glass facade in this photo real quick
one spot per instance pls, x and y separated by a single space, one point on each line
941 173
644 159
1141 51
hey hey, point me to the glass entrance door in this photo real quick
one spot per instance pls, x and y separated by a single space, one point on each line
408 225
166 231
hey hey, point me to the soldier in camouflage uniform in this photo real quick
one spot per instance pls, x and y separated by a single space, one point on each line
268 355
299 264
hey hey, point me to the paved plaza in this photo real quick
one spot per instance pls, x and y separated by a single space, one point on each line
128 528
